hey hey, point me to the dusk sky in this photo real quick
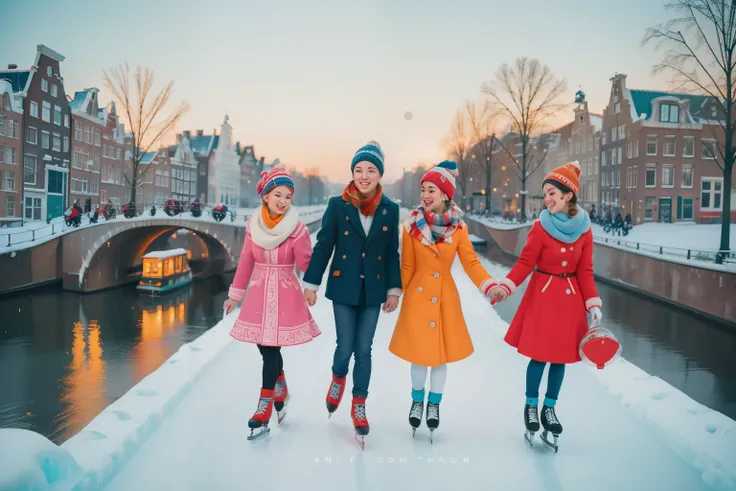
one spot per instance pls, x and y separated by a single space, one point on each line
310 82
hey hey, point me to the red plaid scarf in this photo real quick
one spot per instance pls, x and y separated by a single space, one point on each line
367 206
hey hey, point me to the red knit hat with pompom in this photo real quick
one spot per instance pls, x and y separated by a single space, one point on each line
568 175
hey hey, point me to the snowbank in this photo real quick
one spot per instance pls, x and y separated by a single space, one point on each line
704 438
30 461
106 444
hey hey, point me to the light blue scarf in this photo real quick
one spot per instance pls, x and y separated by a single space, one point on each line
562 227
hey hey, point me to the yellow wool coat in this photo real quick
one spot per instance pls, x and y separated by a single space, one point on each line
431 329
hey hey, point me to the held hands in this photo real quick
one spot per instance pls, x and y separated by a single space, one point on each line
391 303
229 305
310 296
498 294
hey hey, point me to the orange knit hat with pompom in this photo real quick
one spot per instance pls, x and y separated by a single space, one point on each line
568 175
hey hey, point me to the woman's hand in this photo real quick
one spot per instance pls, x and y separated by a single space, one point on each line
229 305
498 294
391 303
310 296
596 313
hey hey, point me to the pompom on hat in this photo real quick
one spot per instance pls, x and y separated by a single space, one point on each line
273 178
370 152
443 176
568 175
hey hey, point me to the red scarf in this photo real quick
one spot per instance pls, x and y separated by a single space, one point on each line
367 206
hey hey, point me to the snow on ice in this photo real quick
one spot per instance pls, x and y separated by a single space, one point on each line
185 425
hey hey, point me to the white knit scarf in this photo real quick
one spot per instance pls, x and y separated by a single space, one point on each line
270 238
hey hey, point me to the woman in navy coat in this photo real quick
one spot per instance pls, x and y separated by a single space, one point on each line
360 233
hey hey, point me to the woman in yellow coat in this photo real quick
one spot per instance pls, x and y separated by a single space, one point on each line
431 329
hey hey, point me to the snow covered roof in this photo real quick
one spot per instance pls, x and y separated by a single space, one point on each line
6 86
17 78
643 100
148 158
165 254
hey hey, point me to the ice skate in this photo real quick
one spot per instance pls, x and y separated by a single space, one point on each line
258 424
334 394
360 421
433 418
417 410
531 421
281 397
551 425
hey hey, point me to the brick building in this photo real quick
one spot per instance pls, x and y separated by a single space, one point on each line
11 148
658 156
113 165
89 127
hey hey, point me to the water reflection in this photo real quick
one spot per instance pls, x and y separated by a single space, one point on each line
64 357
690 353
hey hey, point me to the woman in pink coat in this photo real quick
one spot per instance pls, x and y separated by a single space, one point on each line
274 312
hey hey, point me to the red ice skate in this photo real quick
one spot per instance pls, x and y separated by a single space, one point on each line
281 397
334 394
360 421
262 416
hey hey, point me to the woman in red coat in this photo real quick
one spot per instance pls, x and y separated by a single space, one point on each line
551 319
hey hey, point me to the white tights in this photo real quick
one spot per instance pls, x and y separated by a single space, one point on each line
437 378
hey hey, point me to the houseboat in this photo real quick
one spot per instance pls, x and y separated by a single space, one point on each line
164 271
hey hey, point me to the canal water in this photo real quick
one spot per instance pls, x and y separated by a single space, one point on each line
64 357
694 355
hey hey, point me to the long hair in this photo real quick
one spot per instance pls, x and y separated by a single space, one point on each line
571 210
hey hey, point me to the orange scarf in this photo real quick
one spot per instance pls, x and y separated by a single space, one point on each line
267 220
367 206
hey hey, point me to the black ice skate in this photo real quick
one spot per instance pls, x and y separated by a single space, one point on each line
531 421
433 418
415 415
551 425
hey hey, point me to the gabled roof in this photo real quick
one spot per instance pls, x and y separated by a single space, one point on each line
17 78
203 144
642 100
78 101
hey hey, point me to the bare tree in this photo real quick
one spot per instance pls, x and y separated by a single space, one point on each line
701 56
458 147
483 126
145 117
527 94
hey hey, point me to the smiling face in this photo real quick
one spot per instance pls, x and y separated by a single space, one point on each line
278 200
366 178
432 198
554 199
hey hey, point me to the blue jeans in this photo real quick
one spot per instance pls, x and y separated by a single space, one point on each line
355 327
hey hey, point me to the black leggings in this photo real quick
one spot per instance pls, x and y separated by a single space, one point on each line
273 364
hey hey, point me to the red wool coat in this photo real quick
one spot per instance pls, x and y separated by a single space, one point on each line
551 319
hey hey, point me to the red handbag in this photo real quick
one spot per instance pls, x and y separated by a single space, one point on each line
599 347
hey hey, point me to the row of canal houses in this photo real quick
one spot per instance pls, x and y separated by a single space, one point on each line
650 154
58 148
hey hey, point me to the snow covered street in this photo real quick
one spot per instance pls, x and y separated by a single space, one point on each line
201 443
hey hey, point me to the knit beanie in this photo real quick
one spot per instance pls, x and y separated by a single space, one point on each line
370 152
273 178
443 176
568 175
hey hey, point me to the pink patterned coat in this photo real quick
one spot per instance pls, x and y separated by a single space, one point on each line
274 312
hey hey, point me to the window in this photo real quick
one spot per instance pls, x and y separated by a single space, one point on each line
713 111
97 137
66 121
635 182
2 125
10 156
13 129
45 83
636 149
708 149
668 176
29 169
687 176
46 112
10 207
711 193
688 146
649 204
617 108
48 71
652 145
669 113
57 115
650 180
9 180
669 146
32 135
629 150
66 144
87 135
45 140
33 208
78 130
54 91
56 142
34 109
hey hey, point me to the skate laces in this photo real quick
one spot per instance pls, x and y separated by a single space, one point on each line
551 417
433 411
335 390
360 412
280 389
532 414
262 406
416 410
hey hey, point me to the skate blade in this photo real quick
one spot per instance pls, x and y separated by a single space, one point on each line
282 414
258 433
431 437
413 432
361 441
545 439
529 437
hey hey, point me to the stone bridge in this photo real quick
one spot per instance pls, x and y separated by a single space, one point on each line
109 254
